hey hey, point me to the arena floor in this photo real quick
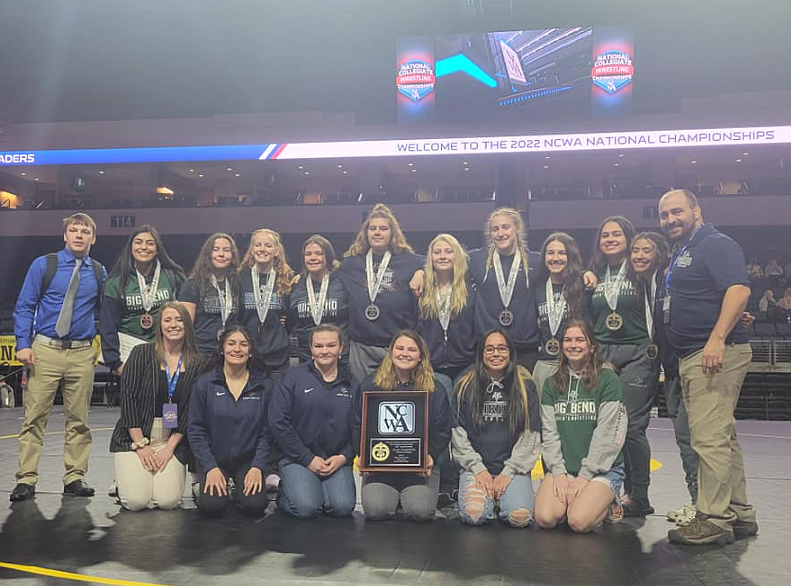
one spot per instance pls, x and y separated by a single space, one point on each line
53 540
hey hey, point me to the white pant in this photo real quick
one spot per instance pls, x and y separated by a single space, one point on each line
138 488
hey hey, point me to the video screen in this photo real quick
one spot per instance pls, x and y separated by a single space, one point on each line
514 75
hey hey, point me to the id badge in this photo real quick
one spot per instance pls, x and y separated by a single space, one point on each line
666 309
170 416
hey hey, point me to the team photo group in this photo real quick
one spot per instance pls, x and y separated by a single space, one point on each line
527 359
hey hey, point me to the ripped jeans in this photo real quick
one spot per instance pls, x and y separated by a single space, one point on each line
515 505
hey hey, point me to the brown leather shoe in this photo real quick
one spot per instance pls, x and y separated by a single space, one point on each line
701 531
78 488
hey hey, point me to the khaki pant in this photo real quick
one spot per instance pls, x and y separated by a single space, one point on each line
711 400
138 488
75 368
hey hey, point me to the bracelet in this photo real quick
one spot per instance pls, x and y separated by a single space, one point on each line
141 444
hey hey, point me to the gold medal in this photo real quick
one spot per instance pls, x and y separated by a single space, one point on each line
614 321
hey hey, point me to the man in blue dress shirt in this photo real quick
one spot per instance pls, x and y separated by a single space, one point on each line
54 324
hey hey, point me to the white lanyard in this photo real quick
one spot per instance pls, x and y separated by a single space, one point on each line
262 298
226 298
148 293
506 288
443 309
375 281
555 310
613 287
650 299
317 305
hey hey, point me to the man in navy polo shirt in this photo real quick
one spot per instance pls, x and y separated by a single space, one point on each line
54 325
708 289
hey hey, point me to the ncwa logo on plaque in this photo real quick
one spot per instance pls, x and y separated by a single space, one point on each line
396 417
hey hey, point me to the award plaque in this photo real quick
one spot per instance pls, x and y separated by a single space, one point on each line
394 432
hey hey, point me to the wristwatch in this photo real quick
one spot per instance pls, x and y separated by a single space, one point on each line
141 444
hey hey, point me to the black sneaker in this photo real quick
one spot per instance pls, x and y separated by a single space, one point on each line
78 488
742 529
22 492
637 507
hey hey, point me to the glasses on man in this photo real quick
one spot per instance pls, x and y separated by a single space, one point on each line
489 350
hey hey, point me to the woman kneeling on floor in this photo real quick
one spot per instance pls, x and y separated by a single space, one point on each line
584 427
406 367
309 419
227 428
150 454
496 437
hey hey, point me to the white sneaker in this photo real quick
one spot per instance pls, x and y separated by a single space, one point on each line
682 516
112 490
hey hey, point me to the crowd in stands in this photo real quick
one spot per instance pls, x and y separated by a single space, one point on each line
771 291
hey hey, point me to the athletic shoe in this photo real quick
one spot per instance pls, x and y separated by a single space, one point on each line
112 490
614 513
637 507
272 483
701 531
742 529
682 516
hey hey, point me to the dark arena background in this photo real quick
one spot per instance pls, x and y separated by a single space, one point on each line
299 116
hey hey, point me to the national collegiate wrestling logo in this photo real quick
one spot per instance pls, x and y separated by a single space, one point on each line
415 79
396 417
612 70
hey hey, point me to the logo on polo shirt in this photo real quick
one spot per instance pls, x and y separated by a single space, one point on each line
396 417
684 260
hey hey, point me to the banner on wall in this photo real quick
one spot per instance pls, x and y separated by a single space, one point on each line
529 143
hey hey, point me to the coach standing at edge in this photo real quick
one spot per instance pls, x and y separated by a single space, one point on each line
707 290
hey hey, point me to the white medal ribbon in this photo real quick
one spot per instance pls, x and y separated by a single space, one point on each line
555 310
443 309
613 287
650 300
375 281
317 305
226 299
506 288
262 298
148 293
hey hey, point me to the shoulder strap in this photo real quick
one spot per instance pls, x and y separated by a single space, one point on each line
49 273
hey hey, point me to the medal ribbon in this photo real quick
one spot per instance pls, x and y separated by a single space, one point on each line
317 305
506 288
226 299
612 287
443 309
555 310
262 298
148 293
375 281
650 299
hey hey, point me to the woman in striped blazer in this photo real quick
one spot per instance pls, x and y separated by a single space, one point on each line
149 442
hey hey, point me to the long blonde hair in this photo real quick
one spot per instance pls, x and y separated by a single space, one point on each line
385 376
398 242
521 236
283 272
458 300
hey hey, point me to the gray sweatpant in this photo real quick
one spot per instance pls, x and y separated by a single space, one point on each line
640 381
678 413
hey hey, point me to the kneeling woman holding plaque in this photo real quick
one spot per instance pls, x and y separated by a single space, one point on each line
309 419
496 438
584 426
401 424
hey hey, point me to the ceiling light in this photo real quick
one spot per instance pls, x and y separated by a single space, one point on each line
229 168
340 166
300 167
738 160
192 170
23 173
307 172
620 155
200 175
693 162
101 172
616 164
345 172
411 164
238 174
545 166
746 153
36 179
547 156
465 163
414 170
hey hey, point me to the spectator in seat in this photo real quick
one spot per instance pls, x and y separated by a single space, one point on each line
767 304
754 270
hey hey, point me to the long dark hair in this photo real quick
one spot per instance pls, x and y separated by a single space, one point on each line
126 262
599 260
474 384
572 274
591 370
661 250
219 356
203 269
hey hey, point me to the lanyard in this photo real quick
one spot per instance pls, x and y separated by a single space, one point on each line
612 287
677 256
650 299
173 380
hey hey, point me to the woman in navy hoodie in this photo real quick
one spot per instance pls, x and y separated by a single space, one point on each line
227 428
308 417
406 367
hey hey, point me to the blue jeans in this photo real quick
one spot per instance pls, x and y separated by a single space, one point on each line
515 505
305 495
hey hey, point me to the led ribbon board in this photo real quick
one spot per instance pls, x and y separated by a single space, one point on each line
535 143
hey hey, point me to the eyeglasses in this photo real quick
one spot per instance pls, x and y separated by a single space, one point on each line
492 349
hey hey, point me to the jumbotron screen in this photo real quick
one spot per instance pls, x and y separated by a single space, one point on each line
515 75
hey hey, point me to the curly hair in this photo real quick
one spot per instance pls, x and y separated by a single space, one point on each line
203 269
458 300
283 272
661 257
398 242
521 236
385 376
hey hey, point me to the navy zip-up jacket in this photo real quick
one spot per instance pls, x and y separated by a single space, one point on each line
310 417
224 432
459 350
438 416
